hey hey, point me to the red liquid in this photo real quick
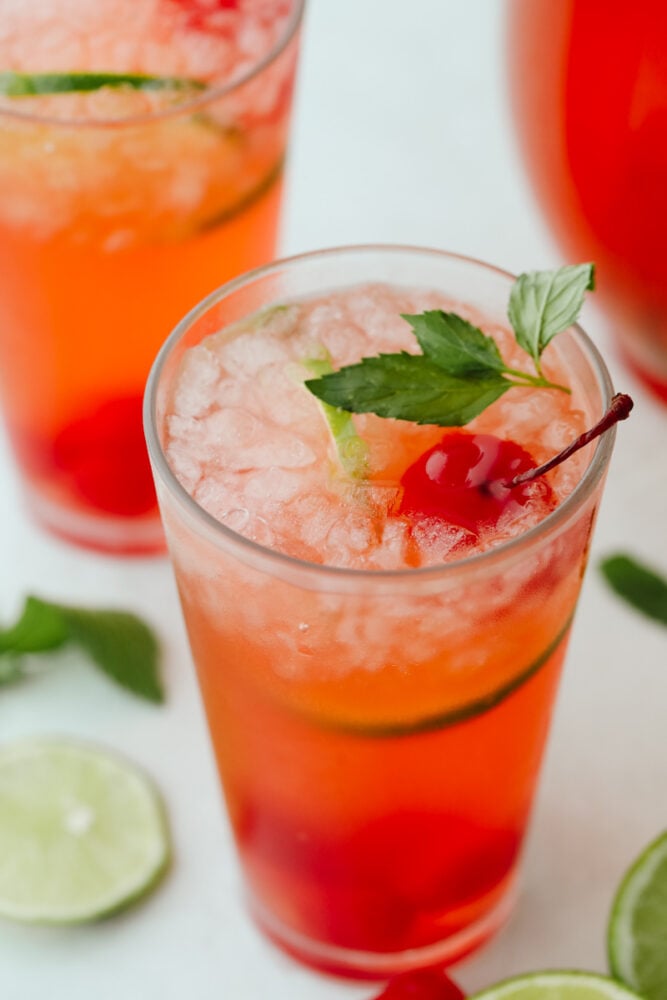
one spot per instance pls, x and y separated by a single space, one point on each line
589 88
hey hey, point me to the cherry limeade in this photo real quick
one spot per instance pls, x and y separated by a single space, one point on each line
378 724
589 88
120 209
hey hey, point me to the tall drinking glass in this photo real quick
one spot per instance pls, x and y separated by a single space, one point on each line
588 84
378 690
141 152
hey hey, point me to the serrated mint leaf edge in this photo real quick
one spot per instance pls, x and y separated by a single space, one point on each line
380 385
454 343
536 323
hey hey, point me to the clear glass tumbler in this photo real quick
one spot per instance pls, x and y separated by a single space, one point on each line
378 733
124 200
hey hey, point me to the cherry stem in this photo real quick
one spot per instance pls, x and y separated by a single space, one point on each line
619 409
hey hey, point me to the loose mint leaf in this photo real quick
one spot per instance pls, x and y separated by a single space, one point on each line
34 84
544 303
455 344
118 642
637 584
121 645
409 387
40 627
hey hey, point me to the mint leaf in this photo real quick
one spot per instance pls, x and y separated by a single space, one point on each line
455 344
40 627
461 370
544 303
33 84
118 642
121 645
409 387
637 584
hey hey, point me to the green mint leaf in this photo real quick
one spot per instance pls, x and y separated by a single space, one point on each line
455 344
118 642
409 387
34 84
544 303
121 645
637 584
40 627
351 449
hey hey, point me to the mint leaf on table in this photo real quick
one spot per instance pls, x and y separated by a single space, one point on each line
637 584
461 370
117 642
543 303
40 627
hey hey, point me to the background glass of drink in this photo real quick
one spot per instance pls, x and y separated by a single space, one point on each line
589 91
120 209
378 731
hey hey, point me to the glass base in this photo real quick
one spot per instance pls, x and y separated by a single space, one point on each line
352 964
103 533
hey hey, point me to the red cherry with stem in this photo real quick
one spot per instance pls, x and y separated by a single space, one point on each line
471 479
421 984
463 480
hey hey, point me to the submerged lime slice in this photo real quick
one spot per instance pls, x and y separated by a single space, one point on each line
82 832
34 84
566 985
637 933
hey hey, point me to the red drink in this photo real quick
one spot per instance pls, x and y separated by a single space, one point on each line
122 207
378 684
589 89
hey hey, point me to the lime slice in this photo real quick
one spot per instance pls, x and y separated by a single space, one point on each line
82 833
567 985
637 933
351 449
33 84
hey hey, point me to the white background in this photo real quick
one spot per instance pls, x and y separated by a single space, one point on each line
401 134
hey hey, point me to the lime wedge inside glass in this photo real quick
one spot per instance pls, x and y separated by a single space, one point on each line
637 932
555 985
82 832
34 84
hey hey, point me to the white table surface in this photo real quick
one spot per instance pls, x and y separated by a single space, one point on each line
401 135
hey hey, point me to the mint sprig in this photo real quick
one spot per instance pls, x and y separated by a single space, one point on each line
117 642
460 371
638 584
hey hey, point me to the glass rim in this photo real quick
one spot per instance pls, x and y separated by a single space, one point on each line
549 526
197 101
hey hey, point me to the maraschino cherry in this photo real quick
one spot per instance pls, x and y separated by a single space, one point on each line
463 480
471 480
422 984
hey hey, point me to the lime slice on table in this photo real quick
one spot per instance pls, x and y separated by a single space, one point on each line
82 832
14 84
566 985
637 932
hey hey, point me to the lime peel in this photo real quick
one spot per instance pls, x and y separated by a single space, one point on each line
13 84
567 984
351 449
85 830
637 930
